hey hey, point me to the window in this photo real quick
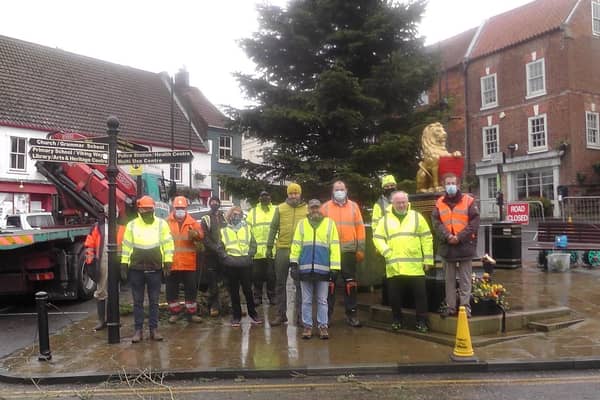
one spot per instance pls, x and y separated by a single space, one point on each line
224 196
17 153
592 128
538 133
535 184
490 140
225 146
492 184
176 172
596 17
489 94
536 78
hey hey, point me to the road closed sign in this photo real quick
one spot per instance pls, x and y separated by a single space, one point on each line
518 213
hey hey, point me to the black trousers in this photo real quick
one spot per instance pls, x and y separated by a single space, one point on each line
348 273
263 271
188 278
237 276
209 276
398 285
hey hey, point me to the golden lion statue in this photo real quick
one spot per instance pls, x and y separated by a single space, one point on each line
433 146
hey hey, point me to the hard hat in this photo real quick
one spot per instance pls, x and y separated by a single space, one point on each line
388 180
145 202
180 202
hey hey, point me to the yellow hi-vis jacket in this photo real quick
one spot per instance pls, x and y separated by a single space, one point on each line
238 242
147 246
259 221
317 251
406 245
379 209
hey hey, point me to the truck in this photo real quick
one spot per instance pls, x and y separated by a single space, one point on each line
49 255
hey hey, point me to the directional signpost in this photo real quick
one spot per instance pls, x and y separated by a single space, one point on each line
68 151
154 157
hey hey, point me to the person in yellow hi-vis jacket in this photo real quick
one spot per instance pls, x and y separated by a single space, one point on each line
404 239
315 253
147 247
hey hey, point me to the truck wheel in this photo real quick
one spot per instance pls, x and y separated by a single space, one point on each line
85 285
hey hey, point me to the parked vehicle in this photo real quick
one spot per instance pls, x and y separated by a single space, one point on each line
44 251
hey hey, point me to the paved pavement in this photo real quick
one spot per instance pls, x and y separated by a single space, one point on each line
215 349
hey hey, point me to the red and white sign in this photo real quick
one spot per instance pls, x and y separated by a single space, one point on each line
518 213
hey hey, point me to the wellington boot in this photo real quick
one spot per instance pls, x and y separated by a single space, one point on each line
137 337
101 308
155 335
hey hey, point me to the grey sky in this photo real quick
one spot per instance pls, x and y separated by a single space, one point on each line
158 35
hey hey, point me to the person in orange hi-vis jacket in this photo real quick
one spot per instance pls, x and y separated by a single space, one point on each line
96 261
351 229
186 232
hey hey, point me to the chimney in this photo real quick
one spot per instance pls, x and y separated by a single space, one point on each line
182 78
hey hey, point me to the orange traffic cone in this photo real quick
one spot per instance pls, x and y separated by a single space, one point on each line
463 350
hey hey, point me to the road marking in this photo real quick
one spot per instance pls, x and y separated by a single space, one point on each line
166 388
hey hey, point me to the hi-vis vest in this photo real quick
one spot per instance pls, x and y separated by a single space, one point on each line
260 224
316 250
406 245
288 220
184 258
147 246
378 211
455 219
349 223
237 243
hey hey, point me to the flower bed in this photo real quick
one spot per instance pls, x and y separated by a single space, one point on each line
487 297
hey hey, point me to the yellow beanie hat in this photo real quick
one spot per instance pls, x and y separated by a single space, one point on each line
388 179
294 188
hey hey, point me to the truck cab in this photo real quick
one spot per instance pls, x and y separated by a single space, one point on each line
28 221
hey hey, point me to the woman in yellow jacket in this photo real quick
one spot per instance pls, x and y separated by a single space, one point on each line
404 239
239 247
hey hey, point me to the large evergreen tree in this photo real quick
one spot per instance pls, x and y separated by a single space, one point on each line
336 87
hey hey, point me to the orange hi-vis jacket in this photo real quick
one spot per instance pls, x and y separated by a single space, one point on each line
93 241
455 220
349 224
184 258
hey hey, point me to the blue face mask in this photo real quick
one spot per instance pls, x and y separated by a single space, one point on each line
339 195
180 214
451 189
236 220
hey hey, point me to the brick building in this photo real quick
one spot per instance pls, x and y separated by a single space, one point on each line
524 93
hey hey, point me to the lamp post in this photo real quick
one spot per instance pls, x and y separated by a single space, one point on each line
113 264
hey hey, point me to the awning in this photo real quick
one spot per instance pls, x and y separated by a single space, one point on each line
28 187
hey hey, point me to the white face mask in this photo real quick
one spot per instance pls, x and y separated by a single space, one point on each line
451 189
180 214
339 195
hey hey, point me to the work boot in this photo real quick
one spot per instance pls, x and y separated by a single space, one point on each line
396 326
193 318
101 305
137 336
256 320
307 332
323 333
174 318
353 321
154 335
214 312
421 327
279 320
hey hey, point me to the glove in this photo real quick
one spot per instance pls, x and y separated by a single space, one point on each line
167 268
360 256
294 270
269 253
193 234
123 270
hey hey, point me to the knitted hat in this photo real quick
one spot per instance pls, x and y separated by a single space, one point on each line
294 188
388 180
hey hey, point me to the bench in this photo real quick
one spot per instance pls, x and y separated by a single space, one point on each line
580 237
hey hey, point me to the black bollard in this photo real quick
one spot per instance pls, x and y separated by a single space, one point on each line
41 299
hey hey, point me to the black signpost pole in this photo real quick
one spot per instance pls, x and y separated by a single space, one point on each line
113 264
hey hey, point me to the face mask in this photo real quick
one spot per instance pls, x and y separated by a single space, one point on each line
451 189
236 220
339 195
180 214
388 192
147 217
214 207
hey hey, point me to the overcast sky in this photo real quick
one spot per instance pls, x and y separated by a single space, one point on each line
158 35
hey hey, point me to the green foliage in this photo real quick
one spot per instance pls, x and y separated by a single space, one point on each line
336 87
